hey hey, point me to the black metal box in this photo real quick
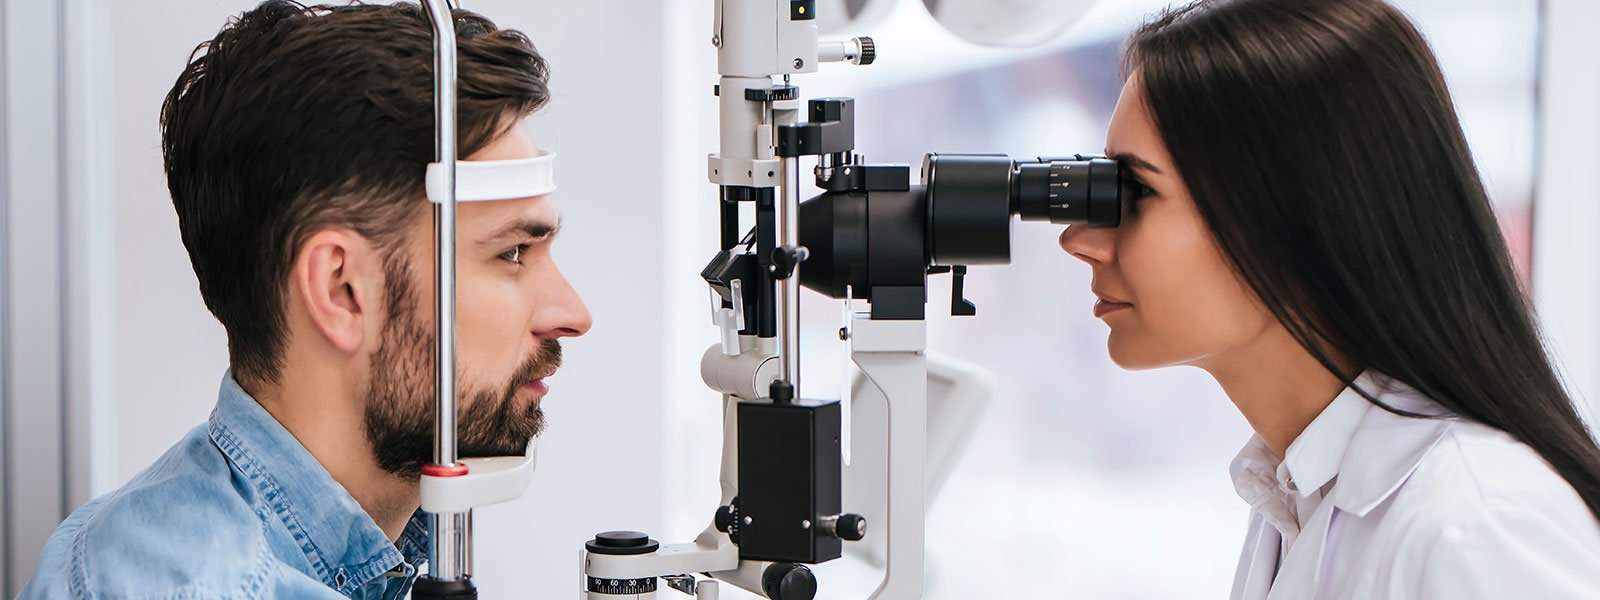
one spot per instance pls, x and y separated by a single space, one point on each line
789 477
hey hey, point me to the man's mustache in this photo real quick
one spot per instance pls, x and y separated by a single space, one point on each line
541 364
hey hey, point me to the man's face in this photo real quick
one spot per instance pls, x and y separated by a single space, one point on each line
512 307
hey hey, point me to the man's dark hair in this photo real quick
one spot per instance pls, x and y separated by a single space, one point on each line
294 119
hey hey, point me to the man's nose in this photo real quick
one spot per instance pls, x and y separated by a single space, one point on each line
1093 245
561 311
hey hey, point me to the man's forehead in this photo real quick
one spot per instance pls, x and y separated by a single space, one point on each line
483 217
515 143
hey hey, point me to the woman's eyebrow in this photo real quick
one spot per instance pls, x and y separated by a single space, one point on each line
1133 160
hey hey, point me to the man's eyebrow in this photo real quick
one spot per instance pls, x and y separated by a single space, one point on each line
1134 161
523 228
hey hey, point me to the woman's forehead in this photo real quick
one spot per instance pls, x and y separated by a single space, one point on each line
1132 131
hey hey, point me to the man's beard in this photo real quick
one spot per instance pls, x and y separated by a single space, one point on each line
400 403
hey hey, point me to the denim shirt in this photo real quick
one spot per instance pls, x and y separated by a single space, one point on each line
237 509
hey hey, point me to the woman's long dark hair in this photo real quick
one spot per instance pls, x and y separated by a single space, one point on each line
1322 148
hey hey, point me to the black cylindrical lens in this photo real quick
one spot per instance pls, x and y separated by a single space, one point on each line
1067 190
969 208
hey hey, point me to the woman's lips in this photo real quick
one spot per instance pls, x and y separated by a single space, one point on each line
1105 307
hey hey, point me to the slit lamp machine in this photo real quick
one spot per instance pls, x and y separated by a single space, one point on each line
872 238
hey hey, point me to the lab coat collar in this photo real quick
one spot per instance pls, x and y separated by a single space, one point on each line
1265 482
1317 454
1381 453
1387 447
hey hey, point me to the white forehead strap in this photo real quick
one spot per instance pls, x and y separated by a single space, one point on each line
478 180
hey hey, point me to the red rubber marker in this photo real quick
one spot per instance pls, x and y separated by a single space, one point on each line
438 471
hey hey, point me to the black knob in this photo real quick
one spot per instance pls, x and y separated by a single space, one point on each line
851 527
428 588
622 543
869 51
789 581
785 259
781 391
727 520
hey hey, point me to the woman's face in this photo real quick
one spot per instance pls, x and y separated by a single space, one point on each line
1165 289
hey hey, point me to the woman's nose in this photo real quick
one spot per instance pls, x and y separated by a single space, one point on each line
1090 244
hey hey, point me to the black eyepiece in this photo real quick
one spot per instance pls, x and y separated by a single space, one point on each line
1067 190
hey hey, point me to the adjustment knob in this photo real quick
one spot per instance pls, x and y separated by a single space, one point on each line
851 527
847 527
869 51
789 581
622 543
727 520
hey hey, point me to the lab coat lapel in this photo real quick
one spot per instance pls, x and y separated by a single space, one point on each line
1385 451
1302 568
1258 562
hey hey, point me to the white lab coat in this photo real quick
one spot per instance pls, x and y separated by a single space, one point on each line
1430 508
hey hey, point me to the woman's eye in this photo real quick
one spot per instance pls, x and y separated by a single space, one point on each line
514 255
1138 192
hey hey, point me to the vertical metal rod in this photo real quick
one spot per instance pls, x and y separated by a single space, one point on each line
789 298
445 556
466 544
6 546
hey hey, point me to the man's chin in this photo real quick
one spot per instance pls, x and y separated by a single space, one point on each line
501 450
511 435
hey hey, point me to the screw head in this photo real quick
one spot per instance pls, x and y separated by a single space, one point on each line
844 334
799 63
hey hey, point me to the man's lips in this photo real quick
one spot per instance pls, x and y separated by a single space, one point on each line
537 386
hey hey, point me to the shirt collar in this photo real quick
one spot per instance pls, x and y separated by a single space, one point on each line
1371 451
1314 458
1388 447
344 547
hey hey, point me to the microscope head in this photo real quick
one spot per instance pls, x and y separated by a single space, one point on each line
872 235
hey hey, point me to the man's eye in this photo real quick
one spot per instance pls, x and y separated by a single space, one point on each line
514 255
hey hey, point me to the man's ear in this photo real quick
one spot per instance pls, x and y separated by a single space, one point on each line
334 276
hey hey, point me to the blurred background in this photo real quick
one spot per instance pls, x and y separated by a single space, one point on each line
1107 484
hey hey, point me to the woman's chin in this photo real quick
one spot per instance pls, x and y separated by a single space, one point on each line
1131 355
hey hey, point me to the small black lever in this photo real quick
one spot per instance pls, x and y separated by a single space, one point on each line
959 305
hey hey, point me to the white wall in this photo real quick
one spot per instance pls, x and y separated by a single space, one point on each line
606 59
169 353
54 298
1566 284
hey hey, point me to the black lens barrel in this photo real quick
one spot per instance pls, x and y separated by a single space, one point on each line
969 208
1068 190
1061 190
